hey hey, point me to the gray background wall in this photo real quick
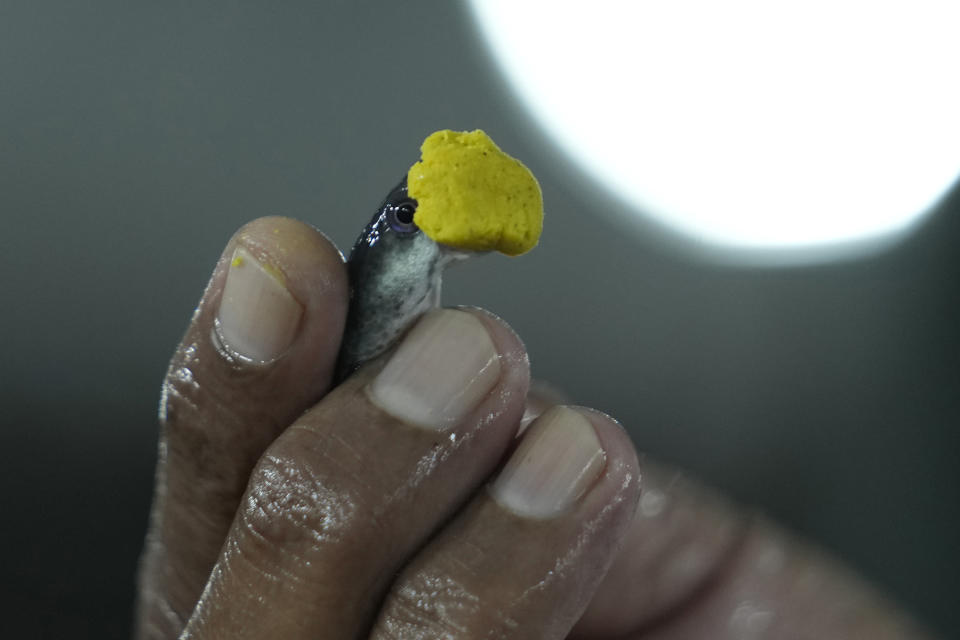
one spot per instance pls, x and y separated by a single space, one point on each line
135 137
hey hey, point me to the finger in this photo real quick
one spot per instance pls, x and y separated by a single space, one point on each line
678 541
542 396
346 495
523 560
695 567
259 350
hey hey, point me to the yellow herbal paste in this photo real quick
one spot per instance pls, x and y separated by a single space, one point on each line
471 195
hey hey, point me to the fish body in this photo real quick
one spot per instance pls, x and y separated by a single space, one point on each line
465 197
395 273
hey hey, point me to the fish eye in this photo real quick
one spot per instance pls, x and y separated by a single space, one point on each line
405 213
400 217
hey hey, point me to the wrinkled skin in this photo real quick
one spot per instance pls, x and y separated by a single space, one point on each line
286 507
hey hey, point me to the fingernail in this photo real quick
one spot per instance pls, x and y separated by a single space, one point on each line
258 318
441 370
558 459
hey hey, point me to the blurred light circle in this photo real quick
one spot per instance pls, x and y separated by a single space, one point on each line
747 125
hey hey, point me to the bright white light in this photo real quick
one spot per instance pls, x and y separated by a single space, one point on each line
747 124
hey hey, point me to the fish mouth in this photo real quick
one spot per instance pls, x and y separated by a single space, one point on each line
450 255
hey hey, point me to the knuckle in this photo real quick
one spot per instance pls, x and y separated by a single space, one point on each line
191 440
186 418
180 392
437 605
198 386
203 417
289 504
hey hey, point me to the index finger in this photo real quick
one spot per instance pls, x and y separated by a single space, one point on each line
259 350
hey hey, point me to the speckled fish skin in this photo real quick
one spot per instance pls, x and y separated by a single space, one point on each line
395 275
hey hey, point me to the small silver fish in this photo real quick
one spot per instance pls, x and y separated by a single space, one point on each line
395 275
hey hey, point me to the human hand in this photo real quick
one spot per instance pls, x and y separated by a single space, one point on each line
286 509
